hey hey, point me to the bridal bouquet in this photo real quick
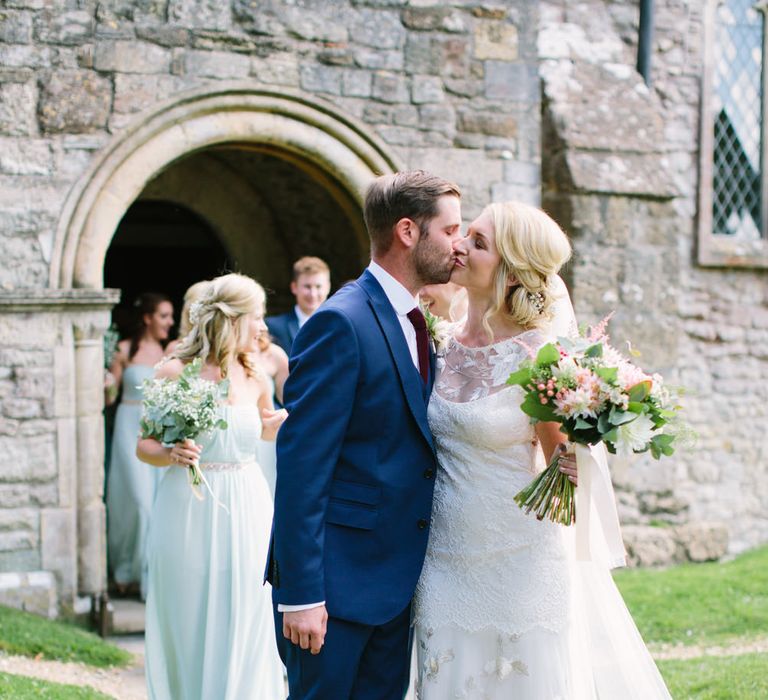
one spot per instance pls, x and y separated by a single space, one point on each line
597 395
175 410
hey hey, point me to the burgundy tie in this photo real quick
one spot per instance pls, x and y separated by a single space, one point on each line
422 341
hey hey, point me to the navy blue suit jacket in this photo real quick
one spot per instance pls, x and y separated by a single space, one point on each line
283 329
355 463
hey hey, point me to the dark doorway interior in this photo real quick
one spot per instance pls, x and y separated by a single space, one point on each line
160 247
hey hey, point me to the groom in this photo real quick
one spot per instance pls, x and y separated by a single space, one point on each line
355 459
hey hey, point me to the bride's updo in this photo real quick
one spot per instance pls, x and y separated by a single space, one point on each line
533 248
219 322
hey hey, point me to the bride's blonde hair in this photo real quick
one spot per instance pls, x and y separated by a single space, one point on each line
533 248
219 322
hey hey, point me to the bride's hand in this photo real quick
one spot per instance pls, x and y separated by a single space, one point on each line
567 462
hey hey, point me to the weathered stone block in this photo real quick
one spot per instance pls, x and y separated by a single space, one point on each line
440 118
15 27
317 78
406 115
328 22
389 87
17 541
25 157
23 56
377 113
33 591
378 60
279 69
495 41
379 29
519 173
200 14
18 103
74 102
649 546
22 408
434 18
58 539
427 88
216 64
356 83
134 93
28 458
34 383
433 55
69 28
15 357
485 122
131 57
517 82
163 35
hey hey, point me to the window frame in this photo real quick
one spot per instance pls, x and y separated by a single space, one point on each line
718 250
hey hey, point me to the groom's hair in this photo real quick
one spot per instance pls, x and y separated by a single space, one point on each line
411 194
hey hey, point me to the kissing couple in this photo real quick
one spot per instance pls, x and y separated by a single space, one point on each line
394 521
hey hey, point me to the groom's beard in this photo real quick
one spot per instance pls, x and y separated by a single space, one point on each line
431 264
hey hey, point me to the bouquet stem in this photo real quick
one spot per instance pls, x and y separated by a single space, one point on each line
550 495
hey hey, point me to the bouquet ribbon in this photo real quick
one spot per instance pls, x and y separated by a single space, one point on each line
195 473
598 534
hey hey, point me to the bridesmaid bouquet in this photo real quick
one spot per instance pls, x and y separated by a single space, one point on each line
175 410
596 395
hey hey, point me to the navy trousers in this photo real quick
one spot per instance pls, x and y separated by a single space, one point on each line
357 662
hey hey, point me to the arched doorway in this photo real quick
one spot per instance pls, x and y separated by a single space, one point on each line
306 165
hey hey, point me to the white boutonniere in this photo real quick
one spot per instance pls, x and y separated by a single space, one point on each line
439 329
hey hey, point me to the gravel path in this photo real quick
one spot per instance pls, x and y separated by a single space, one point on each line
120 683
128 683
662 652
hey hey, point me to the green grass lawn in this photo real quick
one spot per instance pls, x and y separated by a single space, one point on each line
29 635
21 688
718 678
700 603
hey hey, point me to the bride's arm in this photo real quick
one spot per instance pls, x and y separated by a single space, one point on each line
552 439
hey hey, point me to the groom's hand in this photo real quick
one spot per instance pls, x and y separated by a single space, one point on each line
306 627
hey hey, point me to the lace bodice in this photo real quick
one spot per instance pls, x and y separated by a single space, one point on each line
486 560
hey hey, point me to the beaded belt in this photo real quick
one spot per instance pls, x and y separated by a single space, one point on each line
225 466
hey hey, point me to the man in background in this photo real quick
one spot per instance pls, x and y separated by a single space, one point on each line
310 286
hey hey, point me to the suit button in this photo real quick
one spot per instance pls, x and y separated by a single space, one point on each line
422 524
429 473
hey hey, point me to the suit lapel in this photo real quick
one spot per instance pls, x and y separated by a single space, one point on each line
398 347
293 325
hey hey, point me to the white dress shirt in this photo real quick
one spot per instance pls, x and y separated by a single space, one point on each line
300 315
402 302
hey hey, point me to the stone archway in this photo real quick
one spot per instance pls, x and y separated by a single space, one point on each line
324 144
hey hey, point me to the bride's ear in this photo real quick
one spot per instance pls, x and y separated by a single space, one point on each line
512 280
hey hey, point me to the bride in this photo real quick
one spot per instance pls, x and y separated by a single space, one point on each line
504 607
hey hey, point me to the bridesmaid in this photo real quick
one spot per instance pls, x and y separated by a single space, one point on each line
130 484
274 362
209 627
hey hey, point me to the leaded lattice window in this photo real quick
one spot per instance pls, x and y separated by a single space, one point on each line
733 213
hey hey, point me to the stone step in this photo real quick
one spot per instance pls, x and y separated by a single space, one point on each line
127 616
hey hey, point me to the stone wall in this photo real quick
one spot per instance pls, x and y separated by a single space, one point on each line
620 172
452 88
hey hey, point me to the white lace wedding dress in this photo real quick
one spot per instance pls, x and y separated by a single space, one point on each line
503 611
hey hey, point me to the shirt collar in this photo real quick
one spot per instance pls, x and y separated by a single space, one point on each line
400 298
300 315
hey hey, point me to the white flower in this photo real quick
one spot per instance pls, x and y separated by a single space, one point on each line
634 436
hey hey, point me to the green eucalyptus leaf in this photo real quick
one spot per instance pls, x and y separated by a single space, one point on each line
595 350
547 355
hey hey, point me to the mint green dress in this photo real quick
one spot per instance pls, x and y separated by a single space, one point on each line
209 623
131 486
